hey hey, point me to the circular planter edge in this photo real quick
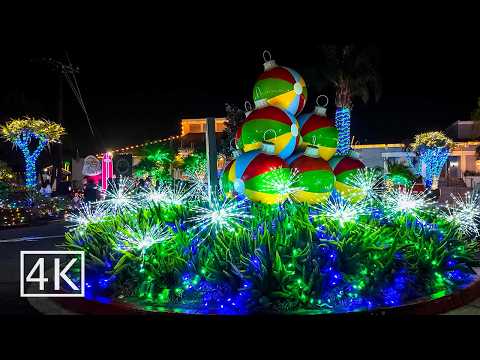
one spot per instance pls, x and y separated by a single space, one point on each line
425 306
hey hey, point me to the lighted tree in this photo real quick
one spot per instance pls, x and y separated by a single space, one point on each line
24 132
432 149
353 70
156 162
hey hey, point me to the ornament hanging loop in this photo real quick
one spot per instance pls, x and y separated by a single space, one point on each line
268 62
248 106
318 100
268 147
267 56
321 109
265 133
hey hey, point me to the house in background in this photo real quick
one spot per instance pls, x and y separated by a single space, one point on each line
463 164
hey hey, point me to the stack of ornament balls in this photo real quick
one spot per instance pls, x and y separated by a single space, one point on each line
275 142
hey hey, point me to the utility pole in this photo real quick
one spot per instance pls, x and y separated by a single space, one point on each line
62 70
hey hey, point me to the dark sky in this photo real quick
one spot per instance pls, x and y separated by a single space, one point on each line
136 90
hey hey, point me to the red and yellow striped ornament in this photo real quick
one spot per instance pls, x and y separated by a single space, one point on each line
255 174
269 124
315 178
317 129
225 182
281 87
344 168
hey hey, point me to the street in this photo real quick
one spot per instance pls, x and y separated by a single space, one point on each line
12 241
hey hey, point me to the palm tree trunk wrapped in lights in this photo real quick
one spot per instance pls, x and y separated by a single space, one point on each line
342 116
353 70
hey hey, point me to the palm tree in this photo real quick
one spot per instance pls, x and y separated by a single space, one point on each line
475 117
353 70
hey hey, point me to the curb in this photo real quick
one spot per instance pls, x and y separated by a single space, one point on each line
425 306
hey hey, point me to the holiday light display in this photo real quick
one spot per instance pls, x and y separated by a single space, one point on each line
344 169
107 170
433 149
141 237
120 197
86 214
465 214
342 123
225 257
278 237
22 131
227 215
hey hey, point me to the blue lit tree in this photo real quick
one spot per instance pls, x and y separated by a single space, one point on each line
432 149
353 71
23 133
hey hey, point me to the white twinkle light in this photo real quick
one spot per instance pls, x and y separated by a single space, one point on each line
369 182
177 194
285 184
338 209
141 238
399 202
465 213
227 215
87 214
120 198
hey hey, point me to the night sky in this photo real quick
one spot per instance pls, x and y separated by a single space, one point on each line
136 91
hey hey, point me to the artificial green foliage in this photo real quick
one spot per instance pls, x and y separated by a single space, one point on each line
156 162
400 174
287 258
195 163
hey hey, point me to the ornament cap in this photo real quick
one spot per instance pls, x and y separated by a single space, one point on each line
354 154
312 151
269 63
261 103
268 147
321 109
236 153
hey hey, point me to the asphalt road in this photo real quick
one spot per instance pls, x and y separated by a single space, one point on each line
12 241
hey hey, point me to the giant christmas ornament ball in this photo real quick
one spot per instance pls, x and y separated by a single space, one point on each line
315 178
226 181
281 87
255 175
344 168
317 129
269 124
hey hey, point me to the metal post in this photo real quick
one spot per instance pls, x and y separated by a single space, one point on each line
59 160
211 145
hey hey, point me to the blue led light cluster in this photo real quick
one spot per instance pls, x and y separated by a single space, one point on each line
434 159
23 142
342 122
